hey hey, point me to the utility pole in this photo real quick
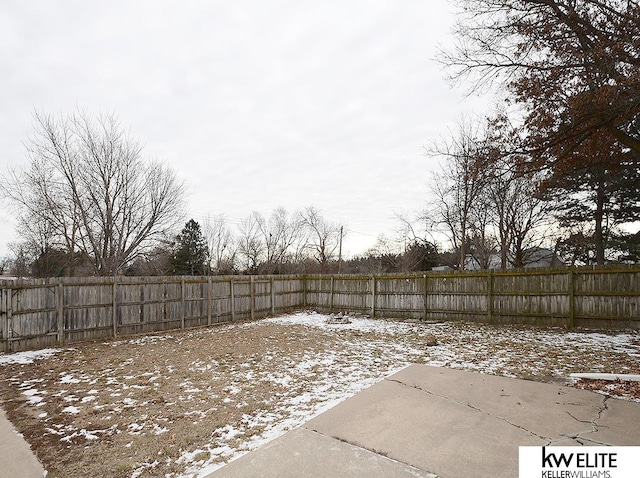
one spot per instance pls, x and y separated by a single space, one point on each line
340 252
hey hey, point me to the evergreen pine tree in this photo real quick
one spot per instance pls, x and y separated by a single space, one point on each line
191 253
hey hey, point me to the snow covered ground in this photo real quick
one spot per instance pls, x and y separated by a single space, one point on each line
184 403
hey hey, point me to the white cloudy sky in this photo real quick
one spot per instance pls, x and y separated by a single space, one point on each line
255 104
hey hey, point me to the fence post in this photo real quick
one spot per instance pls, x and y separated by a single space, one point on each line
304 291
3 310
425 298
114 308
8 324
572 296
182 303
273 295
208 300
164 301
331 296
490 297
373 296
233 305
252 297
59 312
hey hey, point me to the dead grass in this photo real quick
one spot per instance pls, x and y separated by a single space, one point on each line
167 404
149 402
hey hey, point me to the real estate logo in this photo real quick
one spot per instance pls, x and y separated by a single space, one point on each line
579 462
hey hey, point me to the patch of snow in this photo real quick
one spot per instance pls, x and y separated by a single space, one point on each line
233 389
158 430
87 435
27 357
68 378
33 395
146 466
148 339
135 428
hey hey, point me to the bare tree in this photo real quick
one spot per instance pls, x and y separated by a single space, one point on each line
388 252
22 257
572 66
89 189
221 244
5 264
251 246
457 188
411 229
485 201
527 218
155 262
519 214
324 236
280 232
481 241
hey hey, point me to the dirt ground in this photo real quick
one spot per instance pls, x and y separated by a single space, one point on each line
176 403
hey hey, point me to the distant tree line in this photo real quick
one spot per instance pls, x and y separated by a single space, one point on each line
283 243
279 244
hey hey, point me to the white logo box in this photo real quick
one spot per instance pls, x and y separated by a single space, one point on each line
579 462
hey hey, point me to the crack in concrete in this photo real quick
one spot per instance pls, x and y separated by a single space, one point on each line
379 453
429 392
588 442
594 423
577 437
578 420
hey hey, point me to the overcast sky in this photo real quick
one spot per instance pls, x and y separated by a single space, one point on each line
254 104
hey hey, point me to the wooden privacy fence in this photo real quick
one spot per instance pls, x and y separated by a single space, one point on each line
43 313
587 298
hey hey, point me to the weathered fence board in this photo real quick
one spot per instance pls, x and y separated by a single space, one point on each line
48 312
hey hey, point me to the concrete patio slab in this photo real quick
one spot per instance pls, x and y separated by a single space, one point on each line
427 431
438 421
523 403
18 461
302 453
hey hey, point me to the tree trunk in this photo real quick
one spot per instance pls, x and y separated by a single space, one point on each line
598 235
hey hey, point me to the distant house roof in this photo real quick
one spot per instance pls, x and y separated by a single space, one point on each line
441 268
541 257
